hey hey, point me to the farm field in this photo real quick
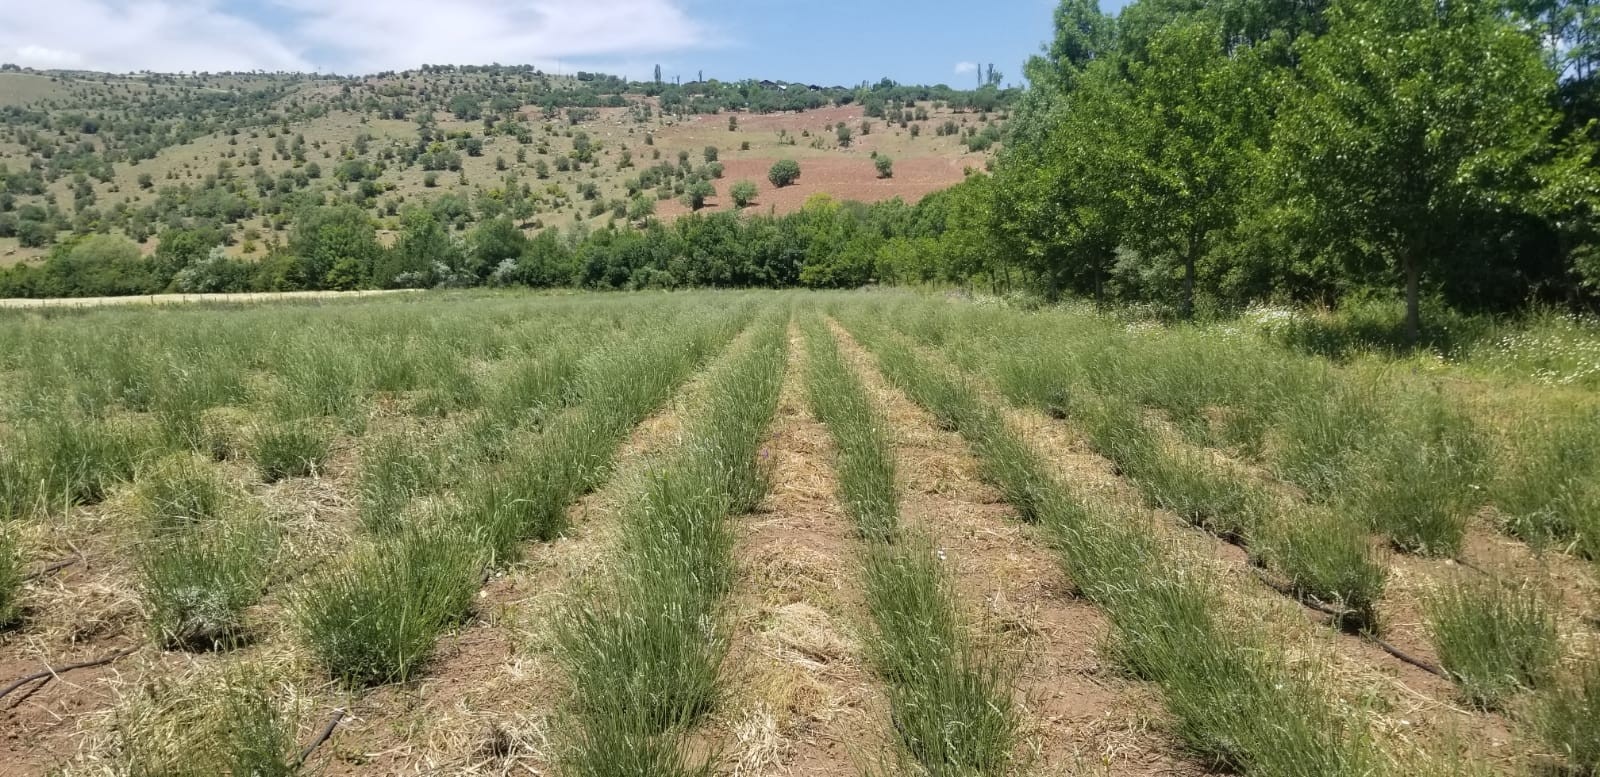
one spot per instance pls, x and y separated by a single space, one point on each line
770 533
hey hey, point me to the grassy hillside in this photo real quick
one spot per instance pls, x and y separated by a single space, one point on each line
88 152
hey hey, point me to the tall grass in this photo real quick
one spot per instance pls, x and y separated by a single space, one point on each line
1494 640
643 658
182 490
1323 552
621 385
395 469
374 619
950 701
289 449
59 458
1546 487
1329 558
1235 699
865 465
197 581
1567 718
224 722
1364 440
10 579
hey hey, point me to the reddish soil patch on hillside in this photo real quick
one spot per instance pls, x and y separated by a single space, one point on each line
843 178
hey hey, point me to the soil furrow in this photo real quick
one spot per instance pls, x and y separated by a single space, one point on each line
1080 714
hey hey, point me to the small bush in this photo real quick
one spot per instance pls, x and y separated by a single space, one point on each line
743 193
197 581
182 490
288 449
375 619
1494 640
1328 558
784 172
885 166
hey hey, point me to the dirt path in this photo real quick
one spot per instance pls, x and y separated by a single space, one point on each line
186 299
803 698
1080 716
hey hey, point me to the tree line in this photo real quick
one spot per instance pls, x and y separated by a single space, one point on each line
826 244
1210 153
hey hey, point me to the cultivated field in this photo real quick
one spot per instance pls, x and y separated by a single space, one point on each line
778 533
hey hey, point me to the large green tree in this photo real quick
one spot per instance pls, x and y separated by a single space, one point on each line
336 247
1188 130
1410 121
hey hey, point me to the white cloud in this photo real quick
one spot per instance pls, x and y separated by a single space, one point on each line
966 68
352 36
393 34
124 35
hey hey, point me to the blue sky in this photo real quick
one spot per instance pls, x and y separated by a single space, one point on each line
822 41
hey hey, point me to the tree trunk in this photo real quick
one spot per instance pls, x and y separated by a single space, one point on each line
1413 307
1188 287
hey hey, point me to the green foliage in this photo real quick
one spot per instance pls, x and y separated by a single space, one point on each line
1494 639
743 193
1409 122
337 248
1567 717
10 579
288 449
885 166
197 581
374 619
784 172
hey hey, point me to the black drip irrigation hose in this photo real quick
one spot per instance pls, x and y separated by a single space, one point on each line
1338 614
321 737
49 673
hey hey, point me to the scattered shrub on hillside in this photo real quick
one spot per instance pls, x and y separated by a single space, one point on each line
885 166
743 193
784 172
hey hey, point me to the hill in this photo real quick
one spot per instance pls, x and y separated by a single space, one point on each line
92 152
